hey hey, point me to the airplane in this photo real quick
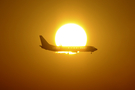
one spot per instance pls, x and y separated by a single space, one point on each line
47 46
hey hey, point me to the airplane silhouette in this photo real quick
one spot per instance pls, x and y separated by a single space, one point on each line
47 46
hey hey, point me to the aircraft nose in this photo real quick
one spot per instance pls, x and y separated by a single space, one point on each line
96 49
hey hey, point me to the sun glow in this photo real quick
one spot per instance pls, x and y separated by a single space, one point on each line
67 52
71 35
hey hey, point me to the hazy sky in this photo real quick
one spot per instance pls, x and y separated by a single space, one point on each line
110 27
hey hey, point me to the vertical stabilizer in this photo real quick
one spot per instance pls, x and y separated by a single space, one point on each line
44 43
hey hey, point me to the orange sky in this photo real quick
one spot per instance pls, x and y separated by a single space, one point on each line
109 25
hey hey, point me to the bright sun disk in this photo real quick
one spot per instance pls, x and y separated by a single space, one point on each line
71 35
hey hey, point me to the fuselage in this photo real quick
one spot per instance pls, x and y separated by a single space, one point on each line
71 48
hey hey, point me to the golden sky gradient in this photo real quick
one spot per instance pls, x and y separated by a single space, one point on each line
109 25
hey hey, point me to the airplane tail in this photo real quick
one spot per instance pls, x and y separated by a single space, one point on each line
44 43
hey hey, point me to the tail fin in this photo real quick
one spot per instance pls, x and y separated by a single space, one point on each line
44 43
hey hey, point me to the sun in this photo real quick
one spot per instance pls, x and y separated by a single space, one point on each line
71 35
